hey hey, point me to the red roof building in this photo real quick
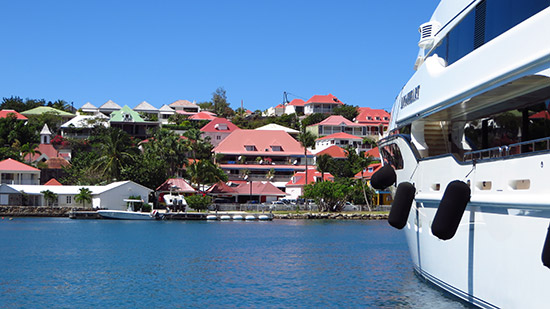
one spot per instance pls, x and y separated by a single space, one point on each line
334 151
376 120
367 173
340 139
6 112
218 129
294 187
53 182
203 116
295 106
374 152
261 191
176 185
261 153
13 172
321 104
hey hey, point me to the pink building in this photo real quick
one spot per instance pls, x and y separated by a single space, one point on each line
218 129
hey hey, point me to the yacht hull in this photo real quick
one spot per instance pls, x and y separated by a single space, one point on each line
125 215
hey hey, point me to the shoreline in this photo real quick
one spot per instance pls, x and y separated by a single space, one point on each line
63 212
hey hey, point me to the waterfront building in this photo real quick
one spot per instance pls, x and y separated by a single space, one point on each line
261 155
218 129
295 186
109 196
259 191
381 197
321 104
13 172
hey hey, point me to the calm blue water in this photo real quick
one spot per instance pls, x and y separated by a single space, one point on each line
285 263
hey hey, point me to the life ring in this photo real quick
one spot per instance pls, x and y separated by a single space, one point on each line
450 210
401 206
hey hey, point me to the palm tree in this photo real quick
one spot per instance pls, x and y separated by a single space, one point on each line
116 152
85 195
205 172
306 139
324 163
364 162
49 197
170 147
30 150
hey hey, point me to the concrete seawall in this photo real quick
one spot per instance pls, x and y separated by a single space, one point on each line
337 216
35 211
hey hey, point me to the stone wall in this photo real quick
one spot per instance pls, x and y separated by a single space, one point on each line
34 211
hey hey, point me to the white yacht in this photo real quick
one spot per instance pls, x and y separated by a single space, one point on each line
130 213
467 155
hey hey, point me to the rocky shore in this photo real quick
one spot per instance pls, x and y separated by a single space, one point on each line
337 216
35 211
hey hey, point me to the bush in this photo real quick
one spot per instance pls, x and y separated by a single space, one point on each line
198 202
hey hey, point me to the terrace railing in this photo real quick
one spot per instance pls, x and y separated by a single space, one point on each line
533 146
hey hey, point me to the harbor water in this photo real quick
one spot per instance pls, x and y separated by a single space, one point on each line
58 262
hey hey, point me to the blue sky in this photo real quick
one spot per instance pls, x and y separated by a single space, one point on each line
361 51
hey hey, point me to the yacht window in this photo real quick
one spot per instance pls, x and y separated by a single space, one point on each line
392 156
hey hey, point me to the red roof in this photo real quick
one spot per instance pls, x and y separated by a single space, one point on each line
299 178
57 163
259 188
53 182
45 149
324 99
260 142
11 165
368 116
221 188
297 102
374 152
203 116
366 174
334 151
280 106
339 135
541 114
5 112
336 120
214 126
180 183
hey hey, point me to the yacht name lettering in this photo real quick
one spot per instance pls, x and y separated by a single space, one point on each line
410 97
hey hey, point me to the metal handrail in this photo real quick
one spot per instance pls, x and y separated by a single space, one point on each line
509 150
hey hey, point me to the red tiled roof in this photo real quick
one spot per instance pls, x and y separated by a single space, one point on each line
235 143
203 116
259 188
336 120
366 112
221 188
340 135
45 149
53 182
280 106
213 126
366 173
541 114
5 112
11 165
324 99
297 102
374 152
182 112
180 183
57 163
299 178
263 166
334 151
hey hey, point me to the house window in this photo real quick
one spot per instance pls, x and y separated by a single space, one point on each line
250 147
276 148
218 137
370 169
69 199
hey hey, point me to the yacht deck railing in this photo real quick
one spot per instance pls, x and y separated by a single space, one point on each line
541 144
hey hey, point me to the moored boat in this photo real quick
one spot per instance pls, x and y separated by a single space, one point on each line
468 152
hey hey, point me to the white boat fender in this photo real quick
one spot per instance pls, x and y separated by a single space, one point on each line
546 250
450 210
401 206
383 178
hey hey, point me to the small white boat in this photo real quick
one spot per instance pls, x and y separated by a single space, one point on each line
238 217
225 217
250 217
128 214
211 217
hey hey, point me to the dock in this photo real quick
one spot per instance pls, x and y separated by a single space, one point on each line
196 216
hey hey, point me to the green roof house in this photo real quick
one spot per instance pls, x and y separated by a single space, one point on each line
131 122
46 109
